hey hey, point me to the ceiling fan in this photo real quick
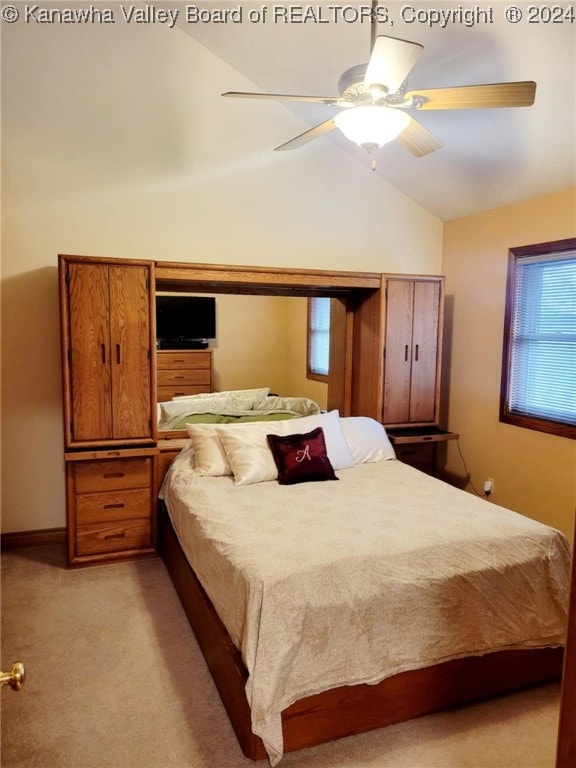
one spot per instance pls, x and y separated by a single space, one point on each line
375 105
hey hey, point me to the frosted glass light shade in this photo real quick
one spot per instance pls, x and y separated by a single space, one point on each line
370 127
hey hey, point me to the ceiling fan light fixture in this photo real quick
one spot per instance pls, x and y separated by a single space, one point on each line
371 126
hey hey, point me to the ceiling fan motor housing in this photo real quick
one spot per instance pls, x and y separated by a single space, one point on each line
351 86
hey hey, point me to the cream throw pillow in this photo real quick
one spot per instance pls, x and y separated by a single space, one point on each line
247 450
209 455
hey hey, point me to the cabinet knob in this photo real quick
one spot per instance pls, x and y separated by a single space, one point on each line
15 678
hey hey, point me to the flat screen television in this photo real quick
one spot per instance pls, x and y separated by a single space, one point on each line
185 322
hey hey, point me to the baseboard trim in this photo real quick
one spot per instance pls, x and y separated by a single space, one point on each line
21 539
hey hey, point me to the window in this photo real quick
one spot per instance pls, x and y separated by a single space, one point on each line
539 358
318 338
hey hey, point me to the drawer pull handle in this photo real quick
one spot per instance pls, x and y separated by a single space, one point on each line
103 353
179 361
179 377
112 474
426 438
114 535
118 354
113 506
416 357
113 453
406 353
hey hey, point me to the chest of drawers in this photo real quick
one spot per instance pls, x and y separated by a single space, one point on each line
187 372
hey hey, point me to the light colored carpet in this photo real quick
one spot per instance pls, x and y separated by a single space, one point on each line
115 680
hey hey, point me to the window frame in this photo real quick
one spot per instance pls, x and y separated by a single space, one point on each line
540 424
310 374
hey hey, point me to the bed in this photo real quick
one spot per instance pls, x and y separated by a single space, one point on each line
355 599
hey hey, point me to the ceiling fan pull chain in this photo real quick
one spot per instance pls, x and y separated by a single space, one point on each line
373 164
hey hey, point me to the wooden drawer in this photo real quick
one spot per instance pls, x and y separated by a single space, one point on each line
177 378
418 455
119 536
175 359
112 474
167 393
112 506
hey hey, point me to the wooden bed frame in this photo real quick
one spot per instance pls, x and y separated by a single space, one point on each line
348 710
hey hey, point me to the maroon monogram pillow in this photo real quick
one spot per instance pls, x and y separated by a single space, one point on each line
301 458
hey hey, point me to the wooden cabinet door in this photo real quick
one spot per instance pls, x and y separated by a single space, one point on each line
411 351
89 352
107 341
398 351
425 317
130 358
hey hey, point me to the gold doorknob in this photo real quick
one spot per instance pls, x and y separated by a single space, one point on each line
15 678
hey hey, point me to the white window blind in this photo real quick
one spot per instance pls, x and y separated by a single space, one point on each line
542 374
319 336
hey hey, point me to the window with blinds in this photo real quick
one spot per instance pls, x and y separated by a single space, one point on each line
318 337
539 365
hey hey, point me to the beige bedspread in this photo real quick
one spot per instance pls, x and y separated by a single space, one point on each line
335 583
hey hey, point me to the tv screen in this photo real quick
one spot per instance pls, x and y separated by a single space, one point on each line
185 317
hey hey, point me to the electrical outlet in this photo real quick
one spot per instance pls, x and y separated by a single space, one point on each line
488 486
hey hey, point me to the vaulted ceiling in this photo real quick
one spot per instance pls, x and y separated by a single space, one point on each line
490 157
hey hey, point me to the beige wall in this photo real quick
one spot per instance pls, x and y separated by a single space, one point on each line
116 142
534 473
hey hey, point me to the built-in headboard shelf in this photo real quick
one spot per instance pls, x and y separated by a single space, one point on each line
178 277
352 288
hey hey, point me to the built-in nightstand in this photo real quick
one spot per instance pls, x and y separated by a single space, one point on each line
418 446
111 506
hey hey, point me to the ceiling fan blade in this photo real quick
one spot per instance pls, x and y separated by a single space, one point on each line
418 139
307 136
390 62
519 94
282 97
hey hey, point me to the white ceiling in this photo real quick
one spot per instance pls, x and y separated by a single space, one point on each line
490 157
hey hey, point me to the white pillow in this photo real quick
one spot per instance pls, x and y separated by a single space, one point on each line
337 448
240 394
249 454
367 439
209 455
